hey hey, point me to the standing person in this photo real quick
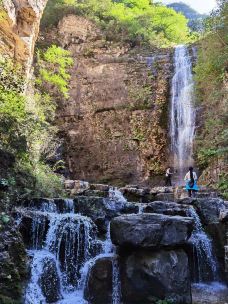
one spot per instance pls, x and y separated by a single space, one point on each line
168 176
191 182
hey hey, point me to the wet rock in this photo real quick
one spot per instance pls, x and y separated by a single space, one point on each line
33 226
50 281
215 293
166 208
135 194
209 209
150 230
96 209
130 208
102 210
13 271
41 204
99 284
151 276
223 216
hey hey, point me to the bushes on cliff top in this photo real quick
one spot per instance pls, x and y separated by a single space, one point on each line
134 21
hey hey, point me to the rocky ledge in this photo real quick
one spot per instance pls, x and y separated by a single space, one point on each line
151 230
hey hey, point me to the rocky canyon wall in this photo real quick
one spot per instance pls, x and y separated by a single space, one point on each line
115 121
19 28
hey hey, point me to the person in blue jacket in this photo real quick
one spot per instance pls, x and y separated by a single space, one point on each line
191 182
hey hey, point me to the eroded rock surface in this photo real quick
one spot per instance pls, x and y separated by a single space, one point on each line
114 123
19 28
149 276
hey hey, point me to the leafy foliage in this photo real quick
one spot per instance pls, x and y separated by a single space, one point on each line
129 20
211 79
53 65
27 132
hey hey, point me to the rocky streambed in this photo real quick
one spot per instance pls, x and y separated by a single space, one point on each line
106 245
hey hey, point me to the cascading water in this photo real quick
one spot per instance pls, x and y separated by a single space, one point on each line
182 114
63 249
205 262
68 244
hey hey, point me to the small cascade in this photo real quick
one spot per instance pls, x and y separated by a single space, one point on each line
141 208
58 253
38 230
48 206
63 249
70 239
69 206
206 264
116 195
182 114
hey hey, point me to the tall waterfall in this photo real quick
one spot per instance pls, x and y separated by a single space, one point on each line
182 115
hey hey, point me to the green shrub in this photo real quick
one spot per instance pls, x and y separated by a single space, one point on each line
52 69
211 78
28 132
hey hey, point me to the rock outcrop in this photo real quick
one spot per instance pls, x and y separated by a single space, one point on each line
150 230
19 28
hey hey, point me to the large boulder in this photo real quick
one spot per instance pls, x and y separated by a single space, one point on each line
151 276
150 230
209 209
99 283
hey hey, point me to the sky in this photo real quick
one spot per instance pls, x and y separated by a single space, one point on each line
201 6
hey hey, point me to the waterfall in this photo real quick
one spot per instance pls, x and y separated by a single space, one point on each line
63 249
206 263
182 115
60 252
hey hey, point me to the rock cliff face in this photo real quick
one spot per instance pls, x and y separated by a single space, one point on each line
13 259
115 122
19 27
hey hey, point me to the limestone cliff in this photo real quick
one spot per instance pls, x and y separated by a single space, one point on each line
19 27
115 122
